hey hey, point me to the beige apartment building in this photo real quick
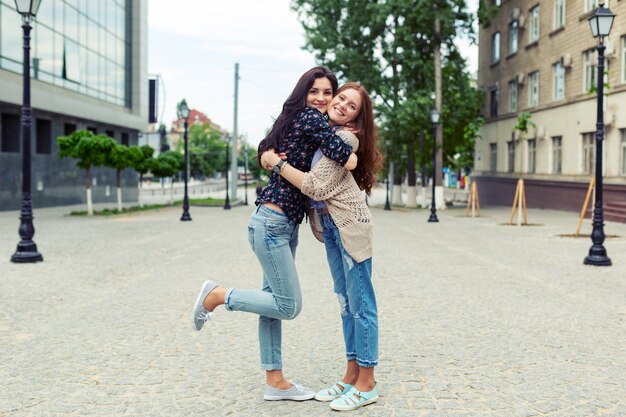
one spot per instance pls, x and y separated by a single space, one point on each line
539 57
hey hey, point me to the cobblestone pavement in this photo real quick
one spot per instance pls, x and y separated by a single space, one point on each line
476 318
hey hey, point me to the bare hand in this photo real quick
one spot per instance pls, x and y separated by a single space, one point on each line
352 162
270 158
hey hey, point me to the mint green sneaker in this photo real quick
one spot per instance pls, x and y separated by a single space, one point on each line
335 391
354 399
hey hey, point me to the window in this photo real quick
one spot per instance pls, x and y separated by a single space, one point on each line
493 159
592 4
513 96
511 162
125 139
622 133
559 14
533 89
44 137
532 155
513 36
110 133
590 79
533 33
69 128
589 153
10 133
494 99
495 47
558 76
557 154
624 59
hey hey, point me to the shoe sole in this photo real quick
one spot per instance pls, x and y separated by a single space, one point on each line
200 302
325 398
288 397
353 407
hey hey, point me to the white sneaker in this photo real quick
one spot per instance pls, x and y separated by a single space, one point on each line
295 393
200 314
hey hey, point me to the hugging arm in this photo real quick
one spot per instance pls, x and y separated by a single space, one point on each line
314 184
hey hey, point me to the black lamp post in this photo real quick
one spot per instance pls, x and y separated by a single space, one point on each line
184 113
26 249
245 174
600 22
387 205
227 201
434 117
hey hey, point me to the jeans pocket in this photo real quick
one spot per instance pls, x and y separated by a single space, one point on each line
251 236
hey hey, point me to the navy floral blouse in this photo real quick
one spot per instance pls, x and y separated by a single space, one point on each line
309 131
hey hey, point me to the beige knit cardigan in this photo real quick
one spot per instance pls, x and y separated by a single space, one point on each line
330 182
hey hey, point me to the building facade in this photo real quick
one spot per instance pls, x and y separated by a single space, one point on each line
539 57
88 71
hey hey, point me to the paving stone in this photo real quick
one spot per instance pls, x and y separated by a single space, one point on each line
476 319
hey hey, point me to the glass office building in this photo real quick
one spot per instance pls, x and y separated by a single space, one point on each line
88 71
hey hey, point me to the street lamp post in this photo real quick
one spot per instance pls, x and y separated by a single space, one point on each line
26 249
434 117
227 201
184 113
600 22
245 174
387 205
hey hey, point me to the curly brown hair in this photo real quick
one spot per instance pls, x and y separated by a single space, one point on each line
370 158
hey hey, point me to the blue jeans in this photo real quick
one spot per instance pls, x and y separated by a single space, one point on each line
357 301
273 238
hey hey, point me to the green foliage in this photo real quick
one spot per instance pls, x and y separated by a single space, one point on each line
250 153
168 164
607 86
90 149
524 123
207 150
486 12
142 159
389 48
119 157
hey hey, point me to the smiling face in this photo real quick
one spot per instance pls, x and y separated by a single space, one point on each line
345 107
320 94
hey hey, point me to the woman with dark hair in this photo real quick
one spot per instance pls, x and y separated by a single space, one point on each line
341 219
299 130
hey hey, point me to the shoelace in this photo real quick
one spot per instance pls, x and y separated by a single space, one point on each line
299 387
205 315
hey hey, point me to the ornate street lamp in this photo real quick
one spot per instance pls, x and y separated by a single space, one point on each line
601 22
227 201
434 117
26 249
184 113
387 205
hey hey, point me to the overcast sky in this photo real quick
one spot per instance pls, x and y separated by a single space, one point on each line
193 45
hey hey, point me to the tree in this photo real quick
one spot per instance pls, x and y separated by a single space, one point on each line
388 47
206 150
250 153
90 150
143 162
166 165
119 158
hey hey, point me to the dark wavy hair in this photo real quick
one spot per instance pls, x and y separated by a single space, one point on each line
370 158
294 104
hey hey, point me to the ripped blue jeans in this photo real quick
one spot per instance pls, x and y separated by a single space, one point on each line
273 238
357 301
